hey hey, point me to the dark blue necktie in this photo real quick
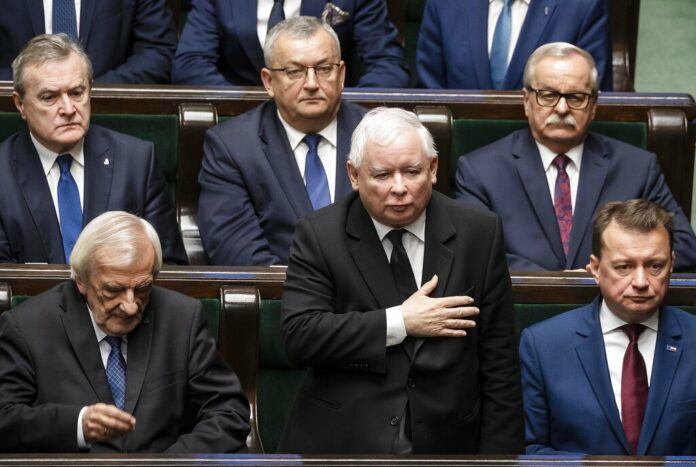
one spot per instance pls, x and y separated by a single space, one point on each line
501 45
116 372
277 14
64 18
315 175
68 206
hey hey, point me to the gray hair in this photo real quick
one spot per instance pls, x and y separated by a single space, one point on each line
45 48
118 233
297 27
559 49
383 125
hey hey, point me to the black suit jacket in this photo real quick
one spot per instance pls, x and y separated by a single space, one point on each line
182 394
464 393
121 174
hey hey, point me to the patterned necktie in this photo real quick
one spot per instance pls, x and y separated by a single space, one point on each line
69 207
315 175
634 387
501 46
277 14
64 18
116 372
562 202
401 266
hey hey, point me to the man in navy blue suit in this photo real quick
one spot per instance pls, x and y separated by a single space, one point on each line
221 43
61 173
257 176
128 41
616 377
457 42
547 182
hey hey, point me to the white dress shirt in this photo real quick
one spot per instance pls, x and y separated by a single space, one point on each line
52 170
326 150
616 341
413 241
48 15
263 12
572 169
518 9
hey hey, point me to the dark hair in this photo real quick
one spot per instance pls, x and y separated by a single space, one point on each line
638 215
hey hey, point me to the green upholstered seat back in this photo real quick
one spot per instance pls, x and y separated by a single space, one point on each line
278 379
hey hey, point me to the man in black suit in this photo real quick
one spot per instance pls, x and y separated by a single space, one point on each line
395 368
108 362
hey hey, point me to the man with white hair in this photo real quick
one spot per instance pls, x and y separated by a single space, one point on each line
108 362
398 299
547 182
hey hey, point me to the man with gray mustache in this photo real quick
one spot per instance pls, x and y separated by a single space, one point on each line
546 182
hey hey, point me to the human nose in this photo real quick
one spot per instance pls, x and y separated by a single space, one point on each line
311 80
66 104
399 185
129 304
562 105
640 278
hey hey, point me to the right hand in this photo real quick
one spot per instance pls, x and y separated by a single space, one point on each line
101 422
437 317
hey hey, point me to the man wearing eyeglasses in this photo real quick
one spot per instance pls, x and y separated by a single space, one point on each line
266 168
547 182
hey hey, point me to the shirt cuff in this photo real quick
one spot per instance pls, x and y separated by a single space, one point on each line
81 443
396 329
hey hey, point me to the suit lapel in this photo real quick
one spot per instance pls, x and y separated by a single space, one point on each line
32 182
244 13
281 159
99 171
669 348
139 342
36 11
344 132
86 20
533 179
593 172
80 332
477 18
538 16
594 361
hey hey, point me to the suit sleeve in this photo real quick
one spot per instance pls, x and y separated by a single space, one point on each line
316 334
152 42
159 211
198 51
230 228
594 37
684 240
502 426
25 425
376 39
215 394
432 68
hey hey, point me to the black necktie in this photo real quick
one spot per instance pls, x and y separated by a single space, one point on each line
277 14
401 266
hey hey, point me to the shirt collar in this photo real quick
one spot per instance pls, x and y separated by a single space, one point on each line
610 322
547 155
295 137
416 228
501 1
48 157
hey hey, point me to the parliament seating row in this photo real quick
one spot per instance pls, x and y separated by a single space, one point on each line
243 306
175 118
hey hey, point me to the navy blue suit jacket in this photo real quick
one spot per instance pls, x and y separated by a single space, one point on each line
508 178
453 41
252 193
128 41
121 173
219 44
568 397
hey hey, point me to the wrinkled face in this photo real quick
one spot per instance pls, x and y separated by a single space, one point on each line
560 128
118 294
309 103
395 182
633 272
56 103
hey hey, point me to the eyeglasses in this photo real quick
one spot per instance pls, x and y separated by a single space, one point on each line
294 73
575 100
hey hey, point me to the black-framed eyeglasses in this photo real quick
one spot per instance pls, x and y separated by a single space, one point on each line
575 100
323 71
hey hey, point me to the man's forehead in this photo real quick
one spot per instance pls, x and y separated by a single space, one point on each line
572 69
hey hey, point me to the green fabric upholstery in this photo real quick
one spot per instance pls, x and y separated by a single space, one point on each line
529 313
278 379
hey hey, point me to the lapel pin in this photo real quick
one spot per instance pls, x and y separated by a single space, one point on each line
671 348
106 161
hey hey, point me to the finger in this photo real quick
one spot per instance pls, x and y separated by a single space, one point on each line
428 287
459 324
454 301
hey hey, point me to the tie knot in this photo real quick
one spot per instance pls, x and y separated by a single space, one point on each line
64 162
507 3
633 331
395 235
113 341
561 161
312 141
